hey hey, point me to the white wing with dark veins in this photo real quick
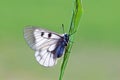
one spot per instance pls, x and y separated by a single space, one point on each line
44 43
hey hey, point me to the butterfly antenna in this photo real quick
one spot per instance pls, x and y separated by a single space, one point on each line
63 28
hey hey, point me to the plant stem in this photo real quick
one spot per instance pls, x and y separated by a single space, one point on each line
77 12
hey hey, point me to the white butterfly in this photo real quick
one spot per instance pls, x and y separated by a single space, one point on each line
48 45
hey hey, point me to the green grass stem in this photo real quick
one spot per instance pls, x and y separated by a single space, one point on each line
77 12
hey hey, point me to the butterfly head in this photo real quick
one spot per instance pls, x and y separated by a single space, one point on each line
66 38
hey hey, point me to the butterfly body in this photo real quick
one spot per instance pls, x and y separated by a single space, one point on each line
48 46
62 43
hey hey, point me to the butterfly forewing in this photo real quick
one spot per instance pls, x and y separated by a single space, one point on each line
43 42
36 37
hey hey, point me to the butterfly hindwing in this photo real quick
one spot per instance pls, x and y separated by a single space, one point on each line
44 42
45 59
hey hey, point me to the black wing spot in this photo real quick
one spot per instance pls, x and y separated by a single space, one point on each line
42 33
49 35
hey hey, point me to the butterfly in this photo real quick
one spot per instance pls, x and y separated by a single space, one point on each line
48 45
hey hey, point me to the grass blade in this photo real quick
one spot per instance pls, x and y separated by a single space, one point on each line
77 12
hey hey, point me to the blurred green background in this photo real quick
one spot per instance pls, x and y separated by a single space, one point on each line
96 51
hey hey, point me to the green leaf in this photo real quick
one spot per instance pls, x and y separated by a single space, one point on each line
77 12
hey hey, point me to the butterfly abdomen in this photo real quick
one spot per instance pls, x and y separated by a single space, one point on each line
60 50
62 43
